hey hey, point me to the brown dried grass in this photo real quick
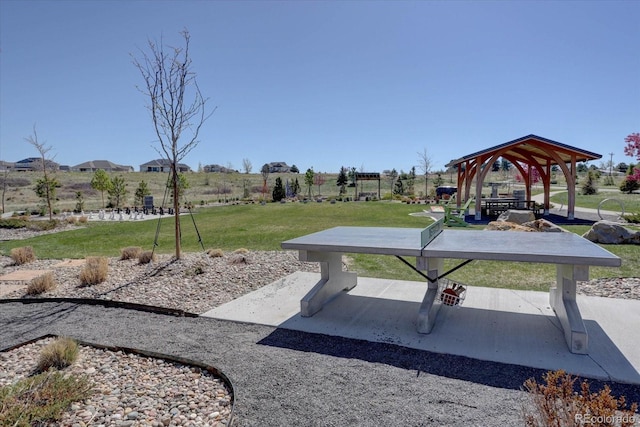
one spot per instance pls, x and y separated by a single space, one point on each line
41 284
59 354
95 271
557 403
131 252
23 255
215 253
146 257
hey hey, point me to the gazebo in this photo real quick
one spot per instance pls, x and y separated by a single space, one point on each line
524 153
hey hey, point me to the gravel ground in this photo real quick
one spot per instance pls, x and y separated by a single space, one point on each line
280 377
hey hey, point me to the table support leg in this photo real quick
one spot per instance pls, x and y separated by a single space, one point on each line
332 281
563 301
428 310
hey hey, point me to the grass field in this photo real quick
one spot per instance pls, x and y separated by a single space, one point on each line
608 200
207 188
264 227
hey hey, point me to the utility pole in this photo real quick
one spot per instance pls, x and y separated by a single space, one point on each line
610 163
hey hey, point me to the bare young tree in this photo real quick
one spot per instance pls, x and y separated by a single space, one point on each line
425 166
45 187
247 166
176 106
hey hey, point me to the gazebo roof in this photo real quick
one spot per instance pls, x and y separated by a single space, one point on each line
533 146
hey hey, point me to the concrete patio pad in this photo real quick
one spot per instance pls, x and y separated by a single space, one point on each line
22 275
500 325
18 280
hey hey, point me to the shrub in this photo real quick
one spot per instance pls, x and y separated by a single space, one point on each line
557 404
23 255
632 217
131 252
13 223
241 251
215 253
239 258
41 399
83 219
146 257
630 184
43 225
59 354
71 220
41 284
94 271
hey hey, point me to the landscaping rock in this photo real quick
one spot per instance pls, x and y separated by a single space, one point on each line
507 226
543 225
517 216
609 232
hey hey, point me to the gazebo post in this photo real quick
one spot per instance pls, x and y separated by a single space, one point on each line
571 188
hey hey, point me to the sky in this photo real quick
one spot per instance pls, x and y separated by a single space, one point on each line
323 84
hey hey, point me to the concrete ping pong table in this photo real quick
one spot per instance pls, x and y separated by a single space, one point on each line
572 255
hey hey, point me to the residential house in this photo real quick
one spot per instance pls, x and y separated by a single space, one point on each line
162 165
31 164
105 165
279 167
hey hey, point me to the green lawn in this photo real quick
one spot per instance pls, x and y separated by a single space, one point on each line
264 227
631 202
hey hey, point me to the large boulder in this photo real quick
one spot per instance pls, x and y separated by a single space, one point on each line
610 232
517 216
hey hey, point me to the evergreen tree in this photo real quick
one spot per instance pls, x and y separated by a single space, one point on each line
342 180
589 186
295 189
399 188
141 191
278 190
117 191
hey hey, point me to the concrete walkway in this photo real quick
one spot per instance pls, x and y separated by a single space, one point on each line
498 325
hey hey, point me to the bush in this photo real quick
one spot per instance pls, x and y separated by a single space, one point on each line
241 251
215 253
131 252
41 399
41 284
632 217
629 185
71 220
23 255
83 220
59 354
43 225
94 271
146 257
557 404
13 223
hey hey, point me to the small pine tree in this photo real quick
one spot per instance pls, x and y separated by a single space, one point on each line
342 180
141 191
117 191
589 186
278 190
